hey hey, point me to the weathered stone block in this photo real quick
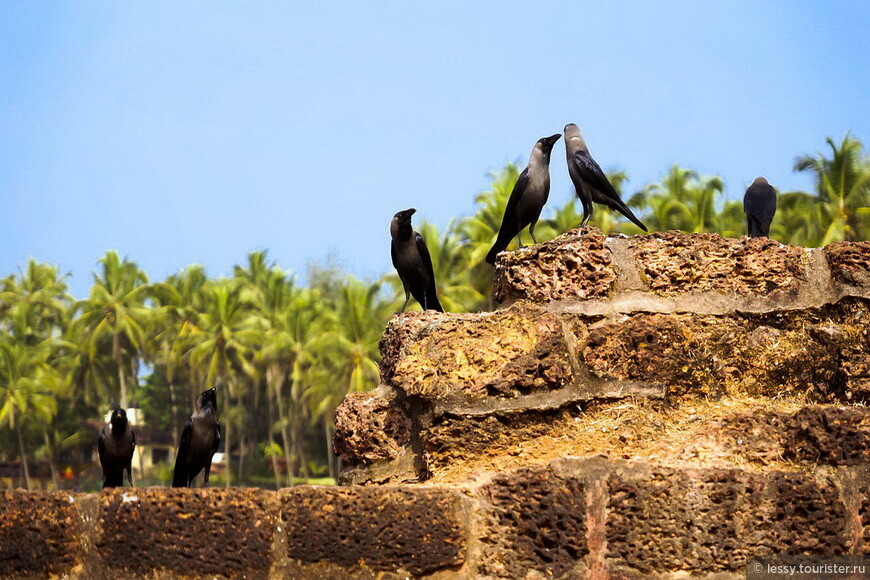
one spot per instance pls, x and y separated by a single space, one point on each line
832 436
455 440
39 533
835 436
371 426
535 521
713 520
850 262
416 530
460 358
576 265
192 532
674 262
792 352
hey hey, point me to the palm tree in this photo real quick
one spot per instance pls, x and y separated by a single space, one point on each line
227 329
37 300
842 182
281 305
34 308
480 230
299 337
796 221
113 318
26 383
682 201
169 330
347 356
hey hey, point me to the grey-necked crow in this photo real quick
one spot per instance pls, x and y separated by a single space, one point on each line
527 199
589 181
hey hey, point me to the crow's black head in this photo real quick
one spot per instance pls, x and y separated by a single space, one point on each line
208 399
119 416
548 142
404 216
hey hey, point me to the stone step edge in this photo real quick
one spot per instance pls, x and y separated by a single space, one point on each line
815 288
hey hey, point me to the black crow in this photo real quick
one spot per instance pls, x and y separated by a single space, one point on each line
115 447
200 440
413 263
759 205
527 199
589 181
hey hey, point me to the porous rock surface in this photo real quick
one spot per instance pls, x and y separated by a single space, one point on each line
664 406
570 518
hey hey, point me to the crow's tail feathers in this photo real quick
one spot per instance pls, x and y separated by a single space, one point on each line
113 479
756 228
431 296
432 301
626 211
179 475
500 245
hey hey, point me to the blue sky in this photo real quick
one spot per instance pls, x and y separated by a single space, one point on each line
196 132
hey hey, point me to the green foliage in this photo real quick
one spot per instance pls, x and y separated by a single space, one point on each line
284 355
839 211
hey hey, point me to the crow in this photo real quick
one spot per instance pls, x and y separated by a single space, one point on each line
589 181
412 261
527 199
115 447
200 440
759 205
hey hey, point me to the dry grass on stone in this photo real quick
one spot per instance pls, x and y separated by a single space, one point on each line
702 434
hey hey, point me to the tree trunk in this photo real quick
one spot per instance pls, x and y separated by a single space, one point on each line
227 462
23 454
330 453
55 477
116 354
285 437
274 459
298 449
241 451
174 410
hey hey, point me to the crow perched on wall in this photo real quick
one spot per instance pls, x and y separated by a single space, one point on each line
528 197
200 440
589 181
412 261
115 447
759 205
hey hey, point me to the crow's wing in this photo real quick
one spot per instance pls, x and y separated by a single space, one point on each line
179 476
592 174
431 296
510 210
393 254
217 439
510 225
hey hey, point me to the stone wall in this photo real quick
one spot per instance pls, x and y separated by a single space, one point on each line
590 325
661 406
593 517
